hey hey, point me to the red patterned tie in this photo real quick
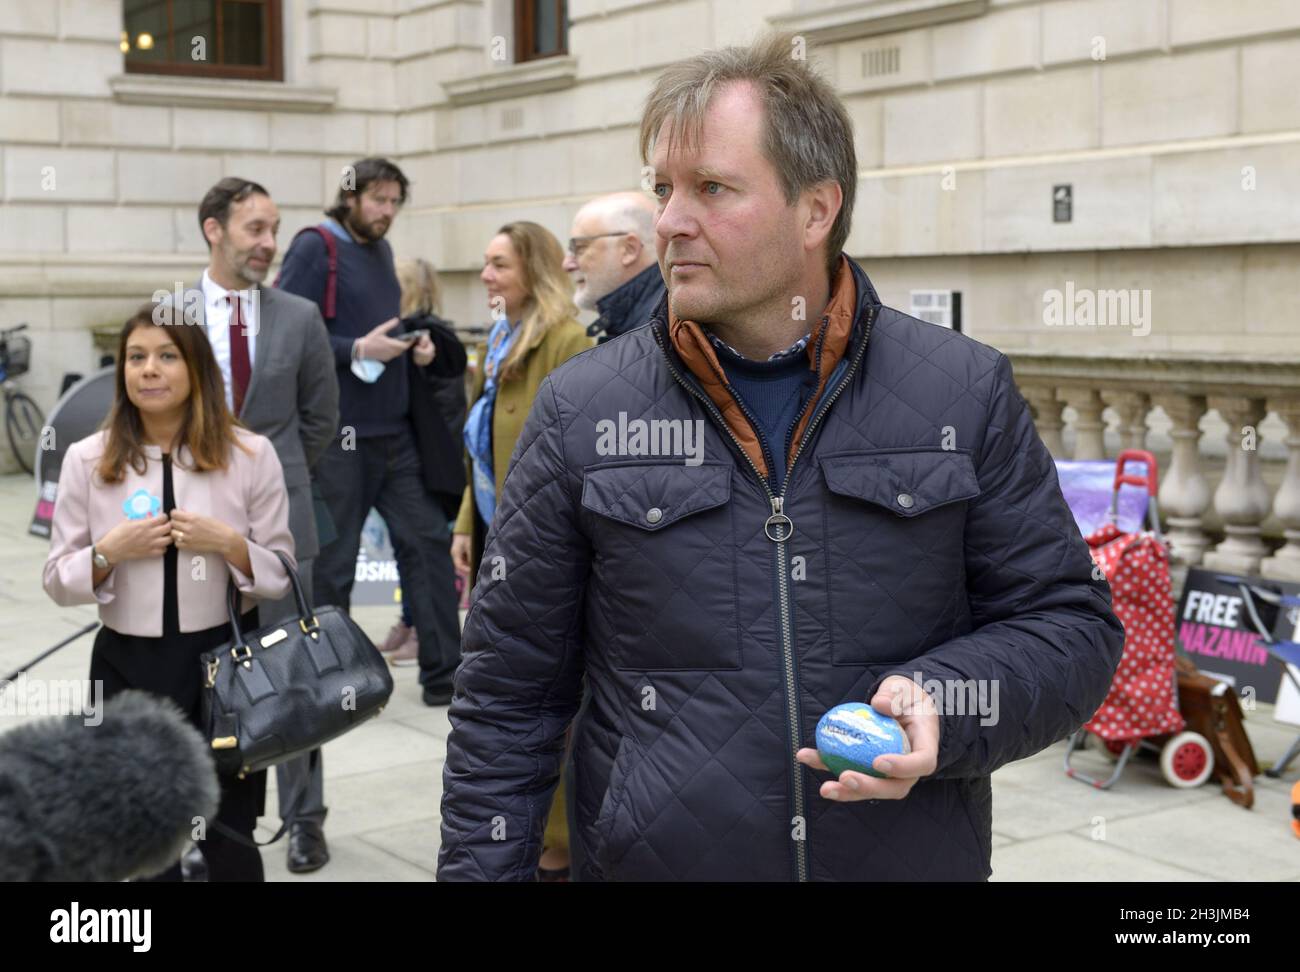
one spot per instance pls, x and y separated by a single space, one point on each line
240 368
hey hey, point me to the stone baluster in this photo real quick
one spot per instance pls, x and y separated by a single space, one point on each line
1184 492
1242 499
1132 408
1047 415
1285 564
1089 429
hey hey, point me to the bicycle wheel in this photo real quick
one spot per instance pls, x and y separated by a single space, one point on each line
23 423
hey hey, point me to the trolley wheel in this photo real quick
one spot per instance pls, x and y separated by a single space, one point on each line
23 424
1187 760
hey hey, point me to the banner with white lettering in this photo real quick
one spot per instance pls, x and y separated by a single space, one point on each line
1213 629
377 580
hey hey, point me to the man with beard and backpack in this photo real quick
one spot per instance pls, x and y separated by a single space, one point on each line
346 266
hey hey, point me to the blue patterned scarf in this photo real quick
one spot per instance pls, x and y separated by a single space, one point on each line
478 426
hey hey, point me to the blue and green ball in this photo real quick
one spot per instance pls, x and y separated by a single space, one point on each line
851 736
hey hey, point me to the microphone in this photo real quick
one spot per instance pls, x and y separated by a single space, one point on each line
108 802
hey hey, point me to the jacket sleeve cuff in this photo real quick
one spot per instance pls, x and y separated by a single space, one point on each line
106 592
342 347
72 581
269 582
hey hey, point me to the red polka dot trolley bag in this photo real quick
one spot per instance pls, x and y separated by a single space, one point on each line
1141 709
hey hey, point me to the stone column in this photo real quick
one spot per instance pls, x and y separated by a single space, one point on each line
1088 427
1047 415
1132 408
1242 499
1285 564
1184 492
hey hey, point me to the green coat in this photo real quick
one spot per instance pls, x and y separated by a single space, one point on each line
514 399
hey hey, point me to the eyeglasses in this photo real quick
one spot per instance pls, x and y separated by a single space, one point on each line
579 243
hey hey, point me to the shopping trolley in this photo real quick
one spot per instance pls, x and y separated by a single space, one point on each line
1141 709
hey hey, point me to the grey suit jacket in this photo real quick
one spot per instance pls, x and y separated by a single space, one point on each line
293 399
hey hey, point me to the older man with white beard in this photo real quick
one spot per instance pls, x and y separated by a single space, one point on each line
612 262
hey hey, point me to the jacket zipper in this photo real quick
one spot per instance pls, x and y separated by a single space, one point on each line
784 530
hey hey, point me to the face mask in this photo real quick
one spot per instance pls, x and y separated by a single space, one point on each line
368 370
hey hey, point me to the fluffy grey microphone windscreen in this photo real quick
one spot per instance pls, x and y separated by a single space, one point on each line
106 802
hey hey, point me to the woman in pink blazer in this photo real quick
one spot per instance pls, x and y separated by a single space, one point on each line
153 514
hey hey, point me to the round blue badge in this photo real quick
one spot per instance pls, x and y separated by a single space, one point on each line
141 504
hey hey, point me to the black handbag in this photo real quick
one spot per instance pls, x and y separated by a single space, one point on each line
288 688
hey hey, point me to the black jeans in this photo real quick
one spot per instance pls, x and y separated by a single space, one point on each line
383 472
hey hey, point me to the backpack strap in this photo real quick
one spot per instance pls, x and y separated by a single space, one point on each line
332 268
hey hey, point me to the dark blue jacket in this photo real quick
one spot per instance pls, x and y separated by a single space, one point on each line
629 305
710 651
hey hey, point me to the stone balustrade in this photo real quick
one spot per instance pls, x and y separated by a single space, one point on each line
1173 406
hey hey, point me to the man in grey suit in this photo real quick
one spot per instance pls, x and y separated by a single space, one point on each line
275 355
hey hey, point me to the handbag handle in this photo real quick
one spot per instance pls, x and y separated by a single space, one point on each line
306 619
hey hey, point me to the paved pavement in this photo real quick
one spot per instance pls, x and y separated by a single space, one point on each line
384 780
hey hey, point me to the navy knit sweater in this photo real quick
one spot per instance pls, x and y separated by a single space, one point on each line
367 294
773 393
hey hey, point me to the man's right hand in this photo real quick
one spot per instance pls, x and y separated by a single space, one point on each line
136 539
378 346
460 544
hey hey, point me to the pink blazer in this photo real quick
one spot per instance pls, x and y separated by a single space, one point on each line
248 495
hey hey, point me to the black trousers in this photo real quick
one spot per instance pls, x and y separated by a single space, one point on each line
383 472
170 667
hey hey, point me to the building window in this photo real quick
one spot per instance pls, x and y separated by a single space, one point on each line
942 307
541 29
208 38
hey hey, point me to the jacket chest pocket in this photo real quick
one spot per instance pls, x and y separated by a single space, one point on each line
894 538
663 580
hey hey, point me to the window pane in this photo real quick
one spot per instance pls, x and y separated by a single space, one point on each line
193 19
548 26
243 36
223 38
145 27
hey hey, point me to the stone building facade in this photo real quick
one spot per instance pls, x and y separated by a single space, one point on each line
1174 124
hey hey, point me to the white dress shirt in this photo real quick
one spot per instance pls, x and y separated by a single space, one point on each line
216 314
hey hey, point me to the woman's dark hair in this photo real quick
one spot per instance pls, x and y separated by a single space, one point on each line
208 430
358 176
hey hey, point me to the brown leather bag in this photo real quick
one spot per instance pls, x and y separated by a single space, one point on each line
1211 708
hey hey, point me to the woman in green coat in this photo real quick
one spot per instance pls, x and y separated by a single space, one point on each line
535 330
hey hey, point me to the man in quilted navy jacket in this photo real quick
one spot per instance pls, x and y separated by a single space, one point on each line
777 497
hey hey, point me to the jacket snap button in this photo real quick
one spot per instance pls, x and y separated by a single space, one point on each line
654 514
905 500
510 407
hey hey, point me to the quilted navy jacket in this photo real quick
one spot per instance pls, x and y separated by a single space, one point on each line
710 650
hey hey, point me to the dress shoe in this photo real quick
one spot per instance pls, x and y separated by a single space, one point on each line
398 635
194 866
552 874
307 848
436 696
408 655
